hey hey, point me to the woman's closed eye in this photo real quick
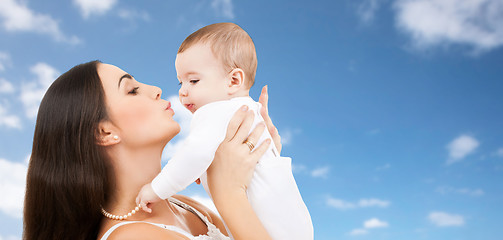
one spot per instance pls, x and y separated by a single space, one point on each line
194 81
134 91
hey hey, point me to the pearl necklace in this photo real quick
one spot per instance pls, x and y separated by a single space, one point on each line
115 217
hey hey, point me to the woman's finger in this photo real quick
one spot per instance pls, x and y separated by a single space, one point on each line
264 100
244 128
260 150
255 135
235 122
264 111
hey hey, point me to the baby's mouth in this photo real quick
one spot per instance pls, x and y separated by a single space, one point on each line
189 106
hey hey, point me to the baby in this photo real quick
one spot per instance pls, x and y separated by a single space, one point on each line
216 68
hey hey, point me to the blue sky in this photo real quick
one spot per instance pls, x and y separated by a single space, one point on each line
392 110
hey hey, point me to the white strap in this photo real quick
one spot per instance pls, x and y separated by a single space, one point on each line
167 227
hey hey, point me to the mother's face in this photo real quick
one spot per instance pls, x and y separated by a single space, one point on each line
137 114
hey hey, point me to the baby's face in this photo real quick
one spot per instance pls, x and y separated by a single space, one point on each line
201 76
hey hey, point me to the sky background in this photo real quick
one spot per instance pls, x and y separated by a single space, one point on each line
392 110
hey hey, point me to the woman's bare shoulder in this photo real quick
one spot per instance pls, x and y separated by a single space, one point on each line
144 231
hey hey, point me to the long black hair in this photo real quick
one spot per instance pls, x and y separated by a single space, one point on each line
69 174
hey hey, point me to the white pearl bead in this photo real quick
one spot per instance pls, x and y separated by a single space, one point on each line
124 217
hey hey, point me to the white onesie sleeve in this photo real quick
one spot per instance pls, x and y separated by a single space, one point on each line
207 131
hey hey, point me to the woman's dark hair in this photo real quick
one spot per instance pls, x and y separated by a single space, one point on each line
69 174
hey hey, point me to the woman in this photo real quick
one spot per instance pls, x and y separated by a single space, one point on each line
99 137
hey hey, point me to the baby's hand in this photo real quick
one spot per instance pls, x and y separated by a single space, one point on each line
146 196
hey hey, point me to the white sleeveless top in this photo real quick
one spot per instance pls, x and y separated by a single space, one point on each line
212 234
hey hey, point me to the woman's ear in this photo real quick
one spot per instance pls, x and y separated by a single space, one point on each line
107 134
236 80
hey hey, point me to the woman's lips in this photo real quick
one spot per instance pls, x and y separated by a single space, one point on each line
168 108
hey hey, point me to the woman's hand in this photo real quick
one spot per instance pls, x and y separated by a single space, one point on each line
264 100
234 162
231 172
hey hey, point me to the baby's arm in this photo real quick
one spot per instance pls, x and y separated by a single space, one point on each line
191 161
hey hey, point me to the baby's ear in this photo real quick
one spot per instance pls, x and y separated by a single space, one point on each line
107 134
236 79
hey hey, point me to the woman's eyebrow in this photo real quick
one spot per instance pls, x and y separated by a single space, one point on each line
124 76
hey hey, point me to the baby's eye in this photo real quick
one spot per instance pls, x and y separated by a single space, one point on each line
194 81
134 91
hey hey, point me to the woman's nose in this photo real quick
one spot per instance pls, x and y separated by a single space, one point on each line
157 92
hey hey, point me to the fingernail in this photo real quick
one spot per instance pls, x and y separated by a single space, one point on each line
244 108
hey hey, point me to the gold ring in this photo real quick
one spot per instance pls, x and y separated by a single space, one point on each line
249 144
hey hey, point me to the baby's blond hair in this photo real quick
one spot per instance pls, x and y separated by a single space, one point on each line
230 44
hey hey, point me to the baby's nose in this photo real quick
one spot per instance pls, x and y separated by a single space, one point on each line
182 92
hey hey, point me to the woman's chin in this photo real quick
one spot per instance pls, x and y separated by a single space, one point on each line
174 130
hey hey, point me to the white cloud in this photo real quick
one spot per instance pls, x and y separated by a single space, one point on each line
130 14
375 223
12 182
287 135
321 172
94 7
7 119
17 17
373 202
461 147
33 92
183 117
367 9
340 204
358 232
429 23
499 152
368 224
362 203
206 201
223 8
4 60
298 168
442 219
384 167
6 86
466 191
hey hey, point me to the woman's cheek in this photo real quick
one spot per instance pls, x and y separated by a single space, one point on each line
136 119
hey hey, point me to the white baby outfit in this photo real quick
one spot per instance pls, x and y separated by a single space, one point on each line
212 234
272 191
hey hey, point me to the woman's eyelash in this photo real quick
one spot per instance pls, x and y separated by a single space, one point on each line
194 81
134 91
